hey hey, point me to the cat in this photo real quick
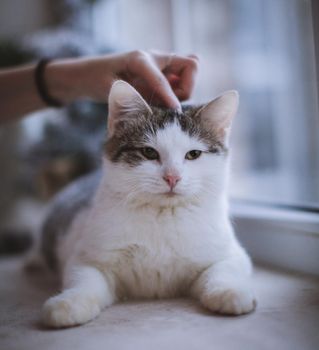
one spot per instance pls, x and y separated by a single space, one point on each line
153 222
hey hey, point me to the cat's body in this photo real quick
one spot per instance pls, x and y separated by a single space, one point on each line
155 223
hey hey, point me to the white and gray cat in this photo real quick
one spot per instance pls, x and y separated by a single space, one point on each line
153 223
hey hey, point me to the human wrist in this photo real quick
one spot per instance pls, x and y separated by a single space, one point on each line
62 80
41 84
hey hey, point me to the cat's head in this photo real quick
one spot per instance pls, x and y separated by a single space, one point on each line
166 157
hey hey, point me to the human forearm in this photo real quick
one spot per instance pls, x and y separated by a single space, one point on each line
66 80
18 93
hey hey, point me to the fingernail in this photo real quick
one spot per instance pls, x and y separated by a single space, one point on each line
177 104
179 107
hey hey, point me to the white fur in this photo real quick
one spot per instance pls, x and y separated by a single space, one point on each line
136 241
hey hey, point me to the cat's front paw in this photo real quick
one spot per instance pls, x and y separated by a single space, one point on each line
230 301
69 310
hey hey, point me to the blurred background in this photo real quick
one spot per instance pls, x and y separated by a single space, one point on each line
264 49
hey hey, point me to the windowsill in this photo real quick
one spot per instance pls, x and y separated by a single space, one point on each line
283 238
305 221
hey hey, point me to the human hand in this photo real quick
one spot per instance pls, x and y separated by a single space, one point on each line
162 79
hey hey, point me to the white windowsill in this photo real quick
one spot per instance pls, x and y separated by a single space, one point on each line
283 238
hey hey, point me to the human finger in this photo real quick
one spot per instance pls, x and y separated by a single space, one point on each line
146 68
185 68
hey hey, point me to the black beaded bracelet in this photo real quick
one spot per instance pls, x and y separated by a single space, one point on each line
41 84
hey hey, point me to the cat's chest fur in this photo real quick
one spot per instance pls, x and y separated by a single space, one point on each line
139 271
153 253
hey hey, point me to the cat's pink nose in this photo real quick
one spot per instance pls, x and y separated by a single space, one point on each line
172 180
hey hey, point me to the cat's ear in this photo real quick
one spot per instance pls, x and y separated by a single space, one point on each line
124 102
219 113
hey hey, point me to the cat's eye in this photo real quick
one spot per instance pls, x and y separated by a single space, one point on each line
194 154
150 153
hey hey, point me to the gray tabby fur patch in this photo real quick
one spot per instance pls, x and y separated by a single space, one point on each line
131 133
63 210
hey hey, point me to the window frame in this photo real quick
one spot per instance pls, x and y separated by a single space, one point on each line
315 25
